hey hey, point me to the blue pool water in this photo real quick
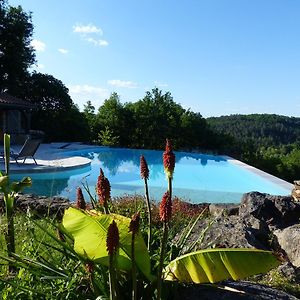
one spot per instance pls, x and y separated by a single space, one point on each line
197 177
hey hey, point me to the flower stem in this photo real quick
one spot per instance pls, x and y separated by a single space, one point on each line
112 278
170 187
149 214
161 260
134 282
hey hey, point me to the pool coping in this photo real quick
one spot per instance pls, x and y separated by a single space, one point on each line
276 180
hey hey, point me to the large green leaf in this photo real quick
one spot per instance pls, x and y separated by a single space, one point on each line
213 265
89 230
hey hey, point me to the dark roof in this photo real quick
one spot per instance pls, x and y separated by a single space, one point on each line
11 102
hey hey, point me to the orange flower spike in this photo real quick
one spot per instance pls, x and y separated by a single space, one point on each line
165 208
112 240
80 202
135 223
144 168
169 160
103 188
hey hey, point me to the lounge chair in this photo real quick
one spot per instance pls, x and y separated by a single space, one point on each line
28 150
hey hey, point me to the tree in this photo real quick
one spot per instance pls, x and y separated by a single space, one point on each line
48 93
90 116
16 53
115 118
56 113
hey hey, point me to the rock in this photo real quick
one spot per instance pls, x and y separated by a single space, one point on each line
296 190
279 211
240 290
40 205
223 209
231 231
289 271
289 240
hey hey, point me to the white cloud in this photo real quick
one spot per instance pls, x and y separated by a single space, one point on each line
38 45
82 93
63 51
101 43
123 83
90 28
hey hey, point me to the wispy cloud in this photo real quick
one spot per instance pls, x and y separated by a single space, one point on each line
38 45
82 93
90 33
90 28
101 43
123 83
63 51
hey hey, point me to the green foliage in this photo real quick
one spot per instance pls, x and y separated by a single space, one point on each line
146 123
106 137
260 130
17 55
9 191
56 114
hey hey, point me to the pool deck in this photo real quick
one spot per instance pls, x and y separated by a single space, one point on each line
50 158
278 181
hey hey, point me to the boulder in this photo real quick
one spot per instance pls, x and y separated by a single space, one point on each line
289 240
231 232
296 190
278 211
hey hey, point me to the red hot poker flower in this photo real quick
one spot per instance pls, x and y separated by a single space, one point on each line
80 202
169 159
144 168
135 223
103 188
112 239
165 208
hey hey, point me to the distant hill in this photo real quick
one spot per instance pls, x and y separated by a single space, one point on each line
259 129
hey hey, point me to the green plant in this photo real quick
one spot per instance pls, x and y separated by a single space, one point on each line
10 191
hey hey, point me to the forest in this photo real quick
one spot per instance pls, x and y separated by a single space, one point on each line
269 142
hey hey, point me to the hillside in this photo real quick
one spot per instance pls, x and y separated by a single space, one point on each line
261 129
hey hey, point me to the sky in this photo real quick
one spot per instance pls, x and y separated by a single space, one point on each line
216 57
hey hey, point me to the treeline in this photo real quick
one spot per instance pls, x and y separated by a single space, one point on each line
261 129
147 122
269 142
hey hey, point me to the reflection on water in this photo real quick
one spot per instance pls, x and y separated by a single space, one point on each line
198 177
112 159
51 184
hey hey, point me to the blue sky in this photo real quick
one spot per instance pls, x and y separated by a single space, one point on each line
217 57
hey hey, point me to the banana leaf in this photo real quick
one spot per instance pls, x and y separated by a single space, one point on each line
214 265
89 231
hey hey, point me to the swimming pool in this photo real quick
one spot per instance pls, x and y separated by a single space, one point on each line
198 177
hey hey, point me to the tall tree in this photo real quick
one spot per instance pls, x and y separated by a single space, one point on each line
16 53
114 119
56 113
